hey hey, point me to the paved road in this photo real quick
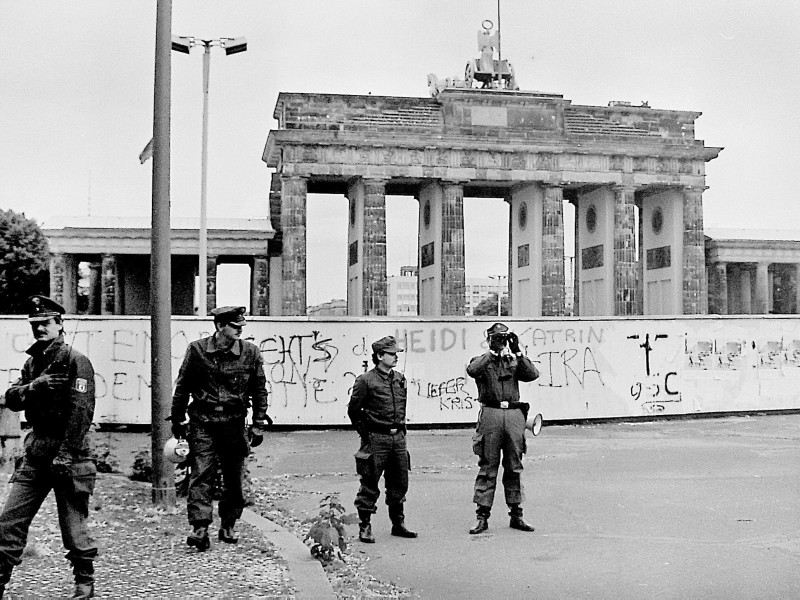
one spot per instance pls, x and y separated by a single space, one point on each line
670 509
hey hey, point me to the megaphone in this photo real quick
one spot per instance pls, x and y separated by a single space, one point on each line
534 424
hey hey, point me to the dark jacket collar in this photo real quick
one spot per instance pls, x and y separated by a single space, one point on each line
212 346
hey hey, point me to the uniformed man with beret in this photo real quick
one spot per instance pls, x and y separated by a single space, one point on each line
223 376
501 424
56 391
377 411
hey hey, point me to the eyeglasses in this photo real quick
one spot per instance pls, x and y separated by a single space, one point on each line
391 353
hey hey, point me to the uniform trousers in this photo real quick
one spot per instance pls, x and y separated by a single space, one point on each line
222 443
31 485
382 454
499 431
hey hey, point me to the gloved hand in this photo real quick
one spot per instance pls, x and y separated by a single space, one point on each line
513 343
256 435
179 429
49 382
60 467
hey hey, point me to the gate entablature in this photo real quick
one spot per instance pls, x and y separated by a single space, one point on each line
479 135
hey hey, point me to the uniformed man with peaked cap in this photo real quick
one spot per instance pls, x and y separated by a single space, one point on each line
223 376
377 411
501 424
56 391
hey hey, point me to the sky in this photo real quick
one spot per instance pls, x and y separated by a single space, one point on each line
76 99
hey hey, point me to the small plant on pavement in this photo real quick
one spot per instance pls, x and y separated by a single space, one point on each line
326 538
142 466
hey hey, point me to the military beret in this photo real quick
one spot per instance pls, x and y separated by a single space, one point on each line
496 328
42 308
385 344
229 314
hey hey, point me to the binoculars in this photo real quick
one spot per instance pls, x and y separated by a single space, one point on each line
500 337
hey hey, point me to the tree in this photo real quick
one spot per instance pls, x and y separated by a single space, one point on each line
24 262
488 306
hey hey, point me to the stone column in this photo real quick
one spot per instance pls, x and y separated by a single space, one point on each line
442 290
797 289
259 287
640 259
746 290
625 265
695 293
718 289
576 277
453 280
293 225
211 283
761 290
95 289
108 304
64 281
367 286
553 252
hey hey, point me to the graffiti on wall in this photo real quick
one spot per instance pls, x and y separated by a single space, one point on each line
588 369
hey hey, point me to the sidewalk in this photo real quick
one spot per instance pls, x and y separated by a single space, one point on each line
143 554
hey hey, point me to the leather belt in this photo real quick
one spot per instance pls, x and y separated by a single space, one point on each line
385 429
505 405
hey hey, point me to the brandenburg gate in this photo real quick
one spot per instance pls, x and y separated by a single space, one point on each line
635 175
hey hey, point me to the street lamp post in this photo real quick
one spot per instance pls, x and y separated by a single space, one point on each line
184 45
499 291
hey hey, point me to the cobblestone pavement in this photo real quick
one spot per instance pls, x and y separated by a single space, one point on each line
143 553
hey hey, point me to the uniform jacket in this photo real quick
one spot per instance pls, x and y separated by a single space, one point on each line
378 399
498 379
222 383
59 420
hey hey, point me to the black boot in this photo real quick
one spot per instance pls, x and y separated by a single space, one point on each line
199 538
84 578
517 522
365 528
226 533
83 590
5 577
482 525
397 515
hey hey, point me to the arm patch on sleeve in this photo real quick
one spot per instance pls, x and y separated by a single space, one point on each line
81 385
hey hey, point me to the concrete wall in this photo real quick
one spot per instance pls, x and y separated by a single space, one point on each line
590 368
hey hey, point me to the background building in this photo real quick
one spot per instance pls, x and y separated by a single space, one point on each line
402 292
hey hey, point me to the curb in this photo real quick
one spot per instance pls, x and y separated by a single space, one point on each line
309 578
